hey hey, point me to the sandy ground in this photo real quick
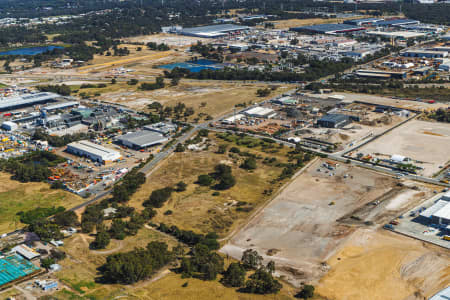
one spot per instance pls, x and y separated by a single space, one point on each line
423 141
380 265
301 226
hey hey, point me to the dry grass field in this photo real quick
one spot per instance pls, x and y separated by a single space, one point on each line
219 97
196 208
80 267
16 196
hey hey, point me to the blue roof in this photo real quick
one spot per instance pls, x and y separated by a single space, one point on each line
334 118
327 27
397 22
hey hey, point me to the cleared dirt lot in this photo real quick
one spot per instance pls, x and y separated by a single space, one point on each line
385 266
299 229
423 141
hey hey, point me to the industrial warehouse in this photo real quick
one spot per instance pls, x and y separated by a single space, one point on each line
212 31
142 139
328 28
93 151
26 100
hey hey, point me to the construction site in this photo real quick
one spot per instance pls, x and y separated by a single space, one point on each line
320 213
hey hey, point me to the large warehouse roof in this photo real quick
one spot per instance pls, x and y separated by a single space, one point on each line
11 102
397 22
329 28
212 30
336 118
142 139
97 150
432 210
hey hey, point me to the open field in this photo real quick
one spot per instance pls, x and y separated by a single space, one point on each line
422 141
386 266
80 267
219 97
16 196
79 272
196 208
301 227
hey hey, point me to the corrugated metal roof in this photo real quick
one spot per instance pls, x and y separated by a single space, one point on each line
30 99
144 138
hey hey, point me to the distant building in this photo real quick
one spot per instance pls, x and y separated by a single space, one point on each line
423 53
260 112
26 252
9 126
334 121
328 28
363 22
213 31
162 128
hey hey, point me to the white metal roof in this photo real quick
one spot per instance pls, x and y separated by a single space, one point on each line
143 138
88 147
26 252
61 105
444 212
261 111
430 211
30 99
442 295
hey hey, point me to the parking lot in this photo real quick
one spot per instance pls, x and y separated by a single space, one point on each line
411 224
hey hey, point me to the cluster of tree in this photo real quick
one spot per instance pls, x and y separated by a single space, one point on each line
130 183
136 265
440 115
48 229
92 86
158 84
249 164
203 264
54 257
33 166
191 238
38 213
158 197
131 123
157 47
120 51
263 92
60 141
222 176
62 89
260 282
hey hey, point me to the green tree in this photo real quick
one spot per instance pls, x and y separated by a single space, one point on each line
47 262
306 292
251 259
101 241
180 186
234 276
249 164
205 180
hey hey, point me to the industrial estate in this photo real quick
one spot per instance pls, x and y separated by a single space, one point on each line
232 150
